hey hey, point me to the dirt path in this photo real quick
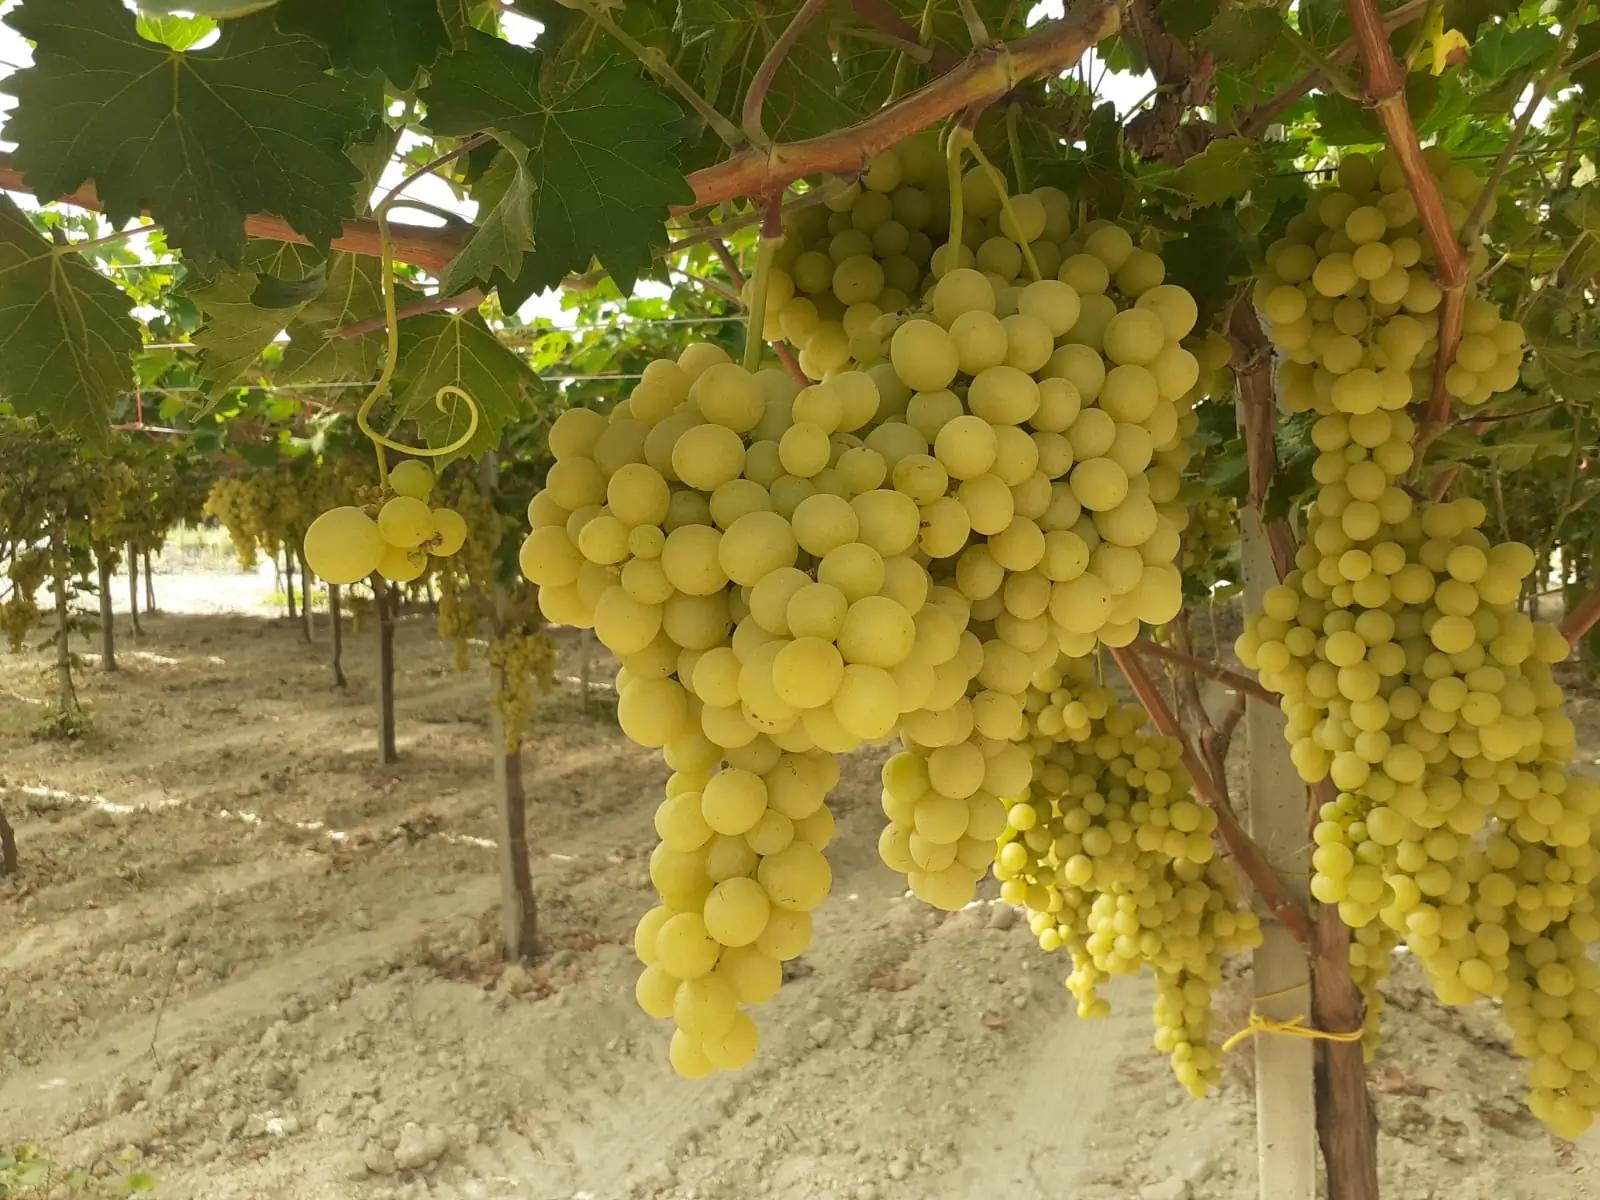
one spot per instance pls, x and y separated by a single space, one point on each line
314 933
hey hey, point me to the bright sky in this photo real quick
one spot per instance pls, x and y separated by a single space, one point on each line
15 53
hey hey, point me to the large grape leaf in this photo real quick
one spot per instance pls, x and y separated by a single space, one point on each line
200 139
246 309
458 350
67 340
598 160
401 38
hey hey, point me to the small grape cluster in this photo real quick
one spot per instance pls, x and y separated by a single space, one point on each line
348 543
1113 857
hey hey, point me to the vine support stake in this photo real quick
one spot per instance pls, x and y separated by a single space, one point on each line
336 623
133 589
1286 1094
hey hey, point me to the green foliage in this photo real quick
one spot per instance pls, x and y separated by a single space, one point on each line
69 339
594 173
200 139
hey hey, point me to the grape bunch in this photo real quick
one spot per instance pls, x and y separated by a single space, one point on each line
1112 856
1349 298
787 573
1409 678
350 542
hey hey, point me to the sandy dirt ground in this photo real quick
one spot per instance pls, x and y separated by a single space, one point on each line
242 954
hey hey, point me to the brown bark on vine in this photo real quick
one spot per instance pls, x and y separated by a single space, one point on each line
132 556
384 598
108 637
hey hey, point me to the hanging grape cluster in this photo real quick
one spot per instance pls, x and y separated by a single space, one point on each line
1408 675
899 548
1112 856
394 538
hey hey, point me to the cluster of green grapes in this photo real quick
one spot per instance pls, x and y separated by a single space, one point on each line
1350 299
787 573
1412 682
254 509
346 544
524 659
846 267
26 573
1212 534
1112 856
738 869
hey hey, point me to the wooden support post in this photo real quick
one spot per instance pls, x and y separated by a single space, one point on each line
149 586
383 601
519 907
286 573
1286 1107
108 647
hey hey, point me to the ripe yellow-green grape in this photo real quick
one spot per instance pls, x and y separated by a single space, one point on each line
344 545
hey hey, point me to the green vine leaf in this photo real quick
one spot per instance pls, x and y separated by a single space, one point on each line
1242 37
400 38
353 293
67 349
246 309
200 139
1502 50
808 93
598 161
458 350
1224 170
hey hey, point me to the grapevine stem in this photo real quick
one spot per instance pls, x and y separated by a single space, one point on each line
1234 680
923 26
1014 141
976 29
766 248
1005 206
756 96
1386 89
1244 852
107 240
952 166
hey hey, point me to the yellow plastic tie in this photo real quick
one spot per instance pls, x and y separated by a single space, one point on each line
1295 1026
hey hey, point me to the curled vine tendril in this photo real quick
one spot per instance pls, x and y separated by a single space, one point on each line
455 396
